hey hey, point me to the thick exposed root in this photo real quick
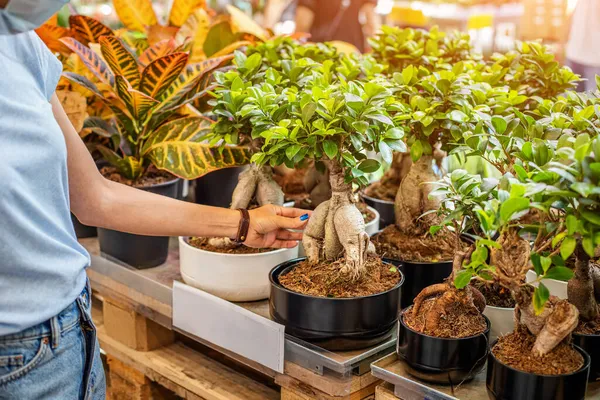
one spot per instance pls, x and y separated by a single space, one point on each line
337 227
580 288
256 182
512 259
317 186
428 292
412 200
560 323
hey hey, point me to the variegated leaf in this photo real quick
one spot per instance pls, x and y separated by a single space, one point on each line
160 74
230 48
158 33
182 9
84 82
51 35
184 84
196 28
135 14
120 59
137 102
241 22
177 147
128 167
91 60
157 51
88 30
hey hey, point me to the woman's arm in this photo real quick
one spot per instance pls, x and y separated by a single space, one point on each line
99 202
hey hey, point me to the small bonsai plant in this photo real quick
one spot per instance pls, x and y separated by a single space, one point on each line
148 104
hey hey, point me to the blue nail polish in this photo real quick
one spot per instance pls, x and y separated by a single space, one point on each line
304 217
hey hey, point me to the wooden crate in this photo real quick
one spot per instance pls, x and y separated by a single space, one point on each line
544 19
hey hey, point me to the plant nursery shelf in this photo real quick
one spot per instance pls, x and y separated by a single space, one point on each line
398 384
309 371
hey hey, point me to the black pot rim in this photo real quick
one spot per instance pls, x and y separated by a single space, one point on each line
487 330
587 360
586 334
299 259
374 199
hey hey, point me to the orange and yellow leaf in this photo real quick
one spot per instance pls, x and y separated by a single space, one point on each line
120 59
161 73
182 9
51 35
157 51
137 102
241 22
92 61
135 14
88 30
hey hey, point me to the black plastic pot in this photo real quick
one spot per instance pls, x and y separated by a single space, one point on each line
384 208
333 323
591 345
216 188
135 250
83 231
442 360
506 383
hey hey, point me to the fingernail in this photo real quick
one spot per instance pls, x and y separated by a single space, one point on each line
304 217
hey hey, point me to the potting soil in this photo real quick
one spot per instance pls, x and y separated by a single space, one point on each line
392 243
202 244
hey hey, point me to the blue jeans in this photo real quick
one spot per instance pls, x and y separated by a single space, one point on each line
57 359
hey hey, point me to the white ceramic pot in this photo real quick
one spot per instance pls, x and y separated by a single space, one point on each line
233 277
556 288
371 228
502 320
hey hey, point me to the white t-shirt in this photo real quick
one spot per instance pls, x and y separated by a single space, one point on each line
583 46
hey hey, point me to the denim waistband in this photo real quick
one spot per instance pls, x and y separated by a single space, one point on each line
61 323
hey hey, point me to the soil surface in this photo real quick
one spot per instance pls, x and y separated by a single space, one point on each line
495 295
383 190
152 176
394 244
589 327
202 244
459 323
325 280
514 350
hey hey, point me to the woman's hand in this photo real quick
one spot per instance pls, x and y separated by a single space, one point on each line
269 226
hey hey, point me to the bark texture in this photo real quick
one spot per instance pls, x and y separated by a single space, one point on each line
412 200
582 288
337 227
254 183
317 186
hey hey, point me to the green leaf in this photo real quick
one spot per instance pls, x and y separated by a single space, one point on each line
416 151
386 152
434 229
393 269
394 133
458 116
330 148
571 222
567 247
369 166
540 297
292 150
591 216
512 206
521 173
537 264
381 118
588 246
308 111
546 263
253 62
407 74
462 278
499 124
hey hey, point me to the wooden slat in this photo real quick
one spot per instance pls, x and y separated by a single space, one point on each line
187 373
385 391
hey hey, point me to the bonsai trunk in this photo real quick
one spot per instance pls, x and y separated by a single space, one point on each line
412 199
448 297
388 186
337 227
254 183
555 323
317 186
581 289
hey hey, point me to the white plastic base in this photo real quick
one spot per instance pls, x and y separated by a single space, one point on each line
502 320
233 277
556 288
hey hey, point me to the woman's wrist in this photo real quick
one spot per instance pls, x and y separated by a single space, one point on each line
217 222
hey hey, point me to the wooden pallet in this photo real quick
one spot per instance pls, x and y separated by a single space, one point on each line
145 355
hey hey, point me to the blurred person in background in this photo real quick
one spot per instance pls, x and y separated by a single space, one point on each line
328 20
583 47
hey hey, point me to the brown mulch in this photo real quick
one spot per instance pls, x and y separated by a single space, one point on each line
383 190
589 327
514 350
495 295
152 176
202 244
458 323
325 279
394 244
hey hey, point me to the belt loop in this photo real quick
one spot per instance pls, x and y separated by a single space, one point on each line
55 328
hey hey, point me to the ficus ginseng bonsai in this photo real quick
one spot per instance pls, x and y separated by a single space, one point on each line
332 122
148 103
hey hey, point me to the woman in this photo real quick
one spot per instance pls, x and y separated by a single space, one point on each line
48 346
584 40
